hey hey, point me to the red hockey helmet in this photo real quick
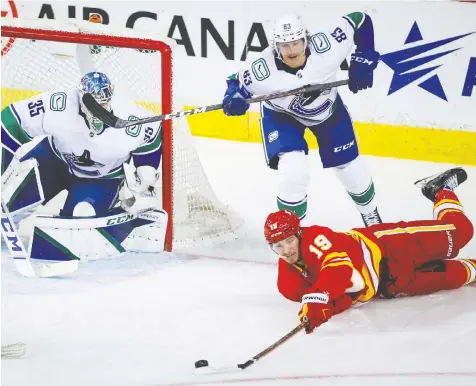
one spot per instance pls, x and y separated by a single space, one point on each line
280 225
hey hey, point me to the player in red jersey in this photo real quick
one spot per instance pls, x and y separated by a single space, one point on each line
330 271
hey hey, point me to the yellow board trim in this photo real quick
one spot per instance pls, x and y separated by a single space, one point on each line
377 139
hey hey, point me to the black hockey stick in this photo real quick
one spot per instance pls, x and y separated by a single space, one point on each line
111 120
202 367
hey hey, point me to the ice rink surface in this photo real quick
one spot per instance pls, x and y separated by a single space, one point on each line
143 320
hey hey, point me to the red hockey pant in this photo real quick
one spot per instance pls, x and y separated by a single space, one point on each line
418 254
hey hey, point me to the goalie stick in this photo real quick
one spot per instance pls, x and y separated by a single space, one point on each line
21 257
202 367
111 120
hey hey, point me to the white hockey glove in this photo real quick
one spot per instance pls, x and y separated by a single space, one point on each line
140 183
142 180
140 204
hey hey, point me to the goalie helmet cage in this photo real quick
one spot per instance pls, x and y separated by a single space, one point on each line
40 55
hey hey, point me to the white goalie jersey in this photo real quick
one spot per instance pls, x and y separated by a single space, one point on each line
58 115
325 53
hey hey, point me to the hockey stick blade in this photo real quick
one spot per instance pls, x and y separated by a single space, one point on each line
21 258
111 120
210 370
55 269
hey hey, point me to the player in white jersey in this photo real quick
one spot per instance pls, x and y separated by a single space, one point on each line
296 58
80 153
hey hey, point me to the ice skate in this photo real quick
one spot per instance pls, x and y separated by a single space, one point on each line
451 179
371 218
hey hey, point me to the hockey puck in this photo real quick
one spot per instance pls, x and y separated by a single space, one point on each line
201 363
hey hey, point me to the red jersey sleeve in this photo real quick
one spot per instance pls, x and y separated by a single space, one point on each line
291 284
326 253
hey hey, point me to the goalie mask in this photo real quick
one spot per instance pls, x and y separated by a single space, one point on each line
100 87
288 29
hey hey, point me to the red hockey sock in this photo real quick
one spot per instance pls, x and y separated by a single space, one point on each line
459 273
446 202
442 275
470 266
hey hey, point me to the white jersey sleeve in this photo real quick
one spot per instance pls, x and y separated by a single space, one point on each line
148 148
27 117
58 115
264 74
333 45
151 131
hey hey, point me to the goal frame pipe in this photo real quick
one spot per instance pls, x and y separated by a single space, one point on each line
166 58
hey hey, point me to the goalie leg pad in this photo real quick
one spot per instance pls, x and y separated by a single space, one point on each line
35 178
21 186
95 237
7 158
53 171
101 194
294 175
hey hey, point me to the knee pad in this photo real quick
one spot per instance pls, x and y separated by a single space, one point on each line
294 175
465 231
83 209
357 181
21 186
355 176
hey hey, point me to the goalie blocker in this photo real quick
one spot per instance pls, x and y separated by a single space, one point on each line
71 238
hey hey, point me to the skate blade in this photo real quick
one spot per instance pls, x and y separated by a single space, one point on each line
424 181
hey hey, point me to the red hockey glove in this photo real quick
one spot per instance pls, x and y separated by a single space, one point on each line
341 304
315 310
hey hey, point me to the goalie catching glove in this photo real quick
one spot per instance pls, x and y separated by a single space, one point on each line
142 180
140 183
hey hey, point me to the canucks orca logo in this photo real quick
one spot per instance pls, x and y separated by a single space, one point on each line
300 101
83 161
308 97
402 64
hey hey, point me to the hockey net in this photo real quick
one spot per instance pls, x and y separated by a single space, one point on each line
40 55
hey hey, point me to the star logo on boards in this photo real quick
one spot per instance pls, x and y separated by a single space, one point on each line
404 63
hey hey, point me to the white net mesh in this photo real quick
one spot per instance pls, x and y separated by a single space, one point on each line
31 66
